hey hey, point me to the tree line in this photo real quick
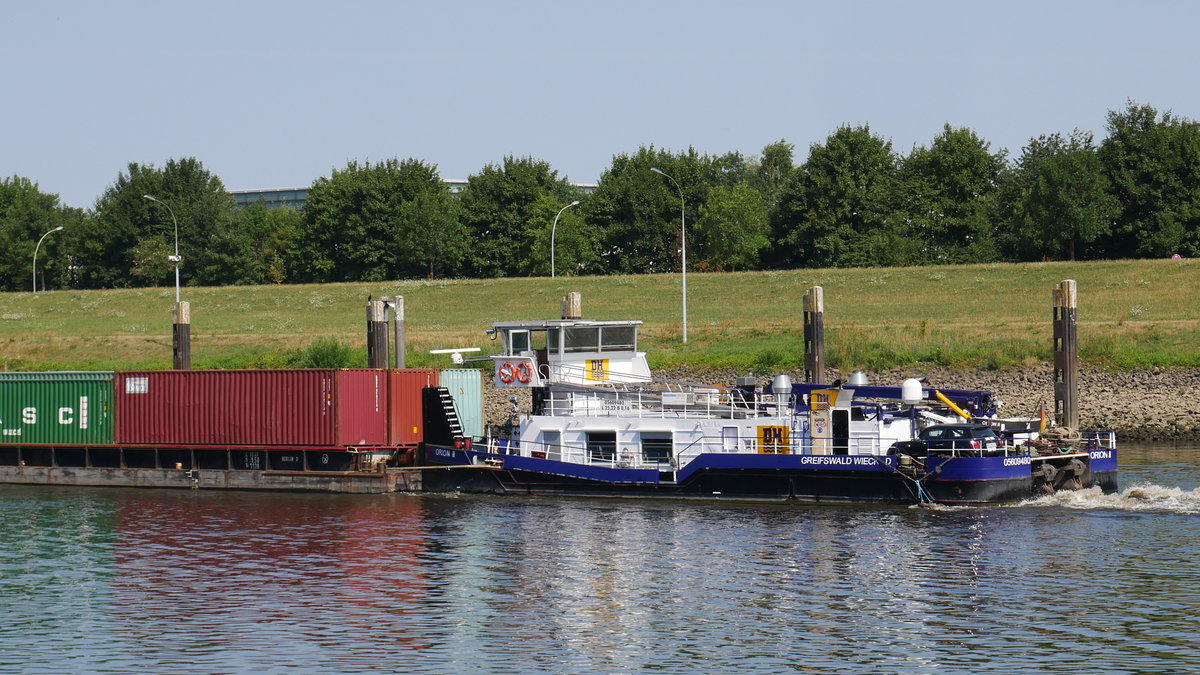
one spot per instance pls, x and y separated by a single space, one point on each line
854 201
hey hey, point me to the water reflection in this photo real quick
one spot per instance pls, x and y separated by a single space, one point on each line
194 581
230 572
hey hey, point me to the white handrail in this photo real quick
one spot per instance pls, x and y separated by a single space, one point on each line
605 401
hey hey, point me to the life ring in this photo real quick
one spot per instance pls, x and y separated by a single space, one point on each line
524 372
506 372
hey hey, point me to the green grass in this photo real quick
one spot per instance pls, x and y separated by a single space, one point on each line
1132 314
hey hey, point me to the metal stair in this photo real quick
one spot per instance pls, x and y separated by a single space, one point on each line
442 424
451 413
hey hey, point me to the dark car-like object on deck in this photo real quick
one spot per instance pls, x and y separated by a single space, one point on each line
974 440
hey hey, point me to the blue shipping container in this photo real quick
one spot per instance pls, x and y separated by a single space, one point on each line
466 388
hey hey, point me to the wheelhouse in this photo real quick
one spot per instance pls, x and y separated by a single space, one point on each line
576 351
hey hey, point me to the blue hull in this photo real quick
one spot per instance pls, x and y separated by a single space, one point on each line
810 478
1103 465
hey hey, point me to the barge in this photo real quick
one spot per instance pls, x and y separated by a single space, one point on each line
598 424
340 430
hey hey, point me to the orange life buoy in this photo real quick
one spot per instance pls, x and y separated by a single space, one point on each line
524 372
506 372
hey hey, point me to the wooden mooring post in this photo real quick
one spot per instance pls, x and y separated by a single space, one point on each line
181 335
377 342
814 335
397 305
1066 355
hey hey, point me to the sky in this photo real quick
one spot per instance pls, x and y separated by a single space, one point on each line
278 94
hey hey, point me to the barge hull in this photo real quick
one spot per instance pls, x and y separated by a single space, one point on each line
731 485
375 482
962 480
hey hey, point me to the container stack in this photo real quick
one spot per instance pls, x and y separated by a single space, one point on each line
252 407
261 408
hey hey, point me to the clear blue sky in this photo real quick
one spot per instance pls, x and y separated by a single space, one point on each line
276 94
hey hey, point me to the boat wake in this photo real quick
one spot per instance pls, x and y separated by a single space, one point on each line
1140 497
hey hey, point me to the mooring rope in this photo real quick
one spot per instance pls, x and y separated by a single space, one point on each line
921 495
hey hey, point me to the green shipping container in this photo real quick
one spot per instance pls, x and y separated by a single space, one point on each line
67 408
466 388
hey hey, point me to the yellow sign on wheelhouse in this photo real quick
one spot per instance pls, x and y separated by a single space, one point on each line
597 370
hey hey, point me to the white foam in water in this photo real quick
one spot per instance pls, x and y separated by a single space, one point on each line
934 506
1140 497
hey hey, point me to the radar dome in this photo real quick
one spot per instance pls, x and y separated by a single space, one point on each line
910 391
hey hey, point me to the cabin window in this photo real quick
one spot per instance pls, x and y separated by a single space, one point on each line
581 339
657 448
518 341
601 446
729 439
618 338
552 445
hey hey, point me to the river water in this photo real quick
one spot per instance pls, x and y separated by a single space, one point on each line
97 579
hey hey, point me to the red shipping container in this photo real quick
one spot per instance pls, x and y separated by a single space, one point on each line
361 407
406 424
252 407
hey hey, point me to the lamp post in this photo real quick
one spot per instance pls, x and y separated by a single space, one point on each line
181 322
553 228
682 245
35 252
172 258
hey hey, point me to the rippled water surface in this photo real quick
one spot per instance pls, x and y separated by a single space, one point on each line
196 581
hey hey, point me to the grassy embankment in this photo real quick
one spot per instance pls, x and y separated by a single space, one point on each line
1131 314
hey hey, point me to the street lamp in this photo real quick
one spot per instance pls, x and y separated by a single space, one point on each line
172 258
682 246
552 229
35 251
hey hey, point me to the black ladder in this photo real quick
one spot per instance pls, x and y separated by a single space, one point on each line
442 424
450 412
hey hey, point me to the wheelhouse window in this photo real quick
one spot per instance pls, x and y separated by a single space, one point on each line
618 338
593 338
657 448
581 339
518 341
602 446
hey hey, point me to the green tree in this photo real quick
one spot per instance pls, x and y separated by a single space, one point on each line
26 214
732 229
729 169
504 209
433 235
947 193
575 242
836 206
1153 164
770 174
256 246
1062 198
637 212
129 239
371 222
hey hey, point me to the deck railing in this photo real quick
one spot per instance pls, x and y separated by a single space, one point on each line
627 456
1101 439
611 400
